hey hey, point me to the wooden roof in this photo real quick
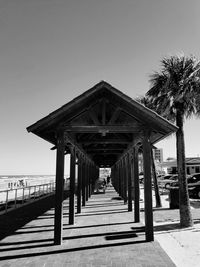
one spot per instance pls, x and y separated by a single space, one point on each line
103 122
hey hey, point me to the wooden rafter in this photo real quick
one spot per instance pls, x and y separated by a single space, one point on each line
131 145
108 141
104 149
94 117
69 139
114 116
102 129
105 153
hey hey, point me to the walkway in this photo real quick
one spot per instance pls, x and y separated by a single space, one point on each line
103 235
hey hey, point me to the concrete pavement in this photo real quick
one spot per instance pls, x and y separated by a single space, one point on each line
181 244
103 235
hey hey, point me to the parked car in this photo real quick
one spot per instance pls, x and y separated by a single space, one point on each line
194 190
194 178
167 180
193 185
191 179
160 176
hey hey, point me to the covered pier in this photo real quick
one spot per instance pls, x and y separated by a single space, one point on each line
102 128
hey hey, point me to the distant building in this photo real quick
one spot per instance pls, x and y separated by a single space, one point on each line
158 154
192 166
140 162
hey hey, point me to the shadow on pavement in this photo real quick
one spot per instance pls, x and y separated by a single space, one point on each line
102 213
24 242
15 219
60 251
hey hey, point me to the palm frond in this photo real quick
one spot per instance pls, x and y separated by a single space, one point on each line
177 85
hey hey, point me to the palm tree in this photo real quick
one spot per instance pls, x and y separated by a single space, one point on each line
175 94
155 182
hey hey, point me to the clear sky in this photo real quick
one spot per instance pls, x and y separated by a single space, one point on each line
53 50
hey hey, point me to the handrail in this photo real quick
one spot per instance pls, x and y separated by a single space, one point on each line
13 198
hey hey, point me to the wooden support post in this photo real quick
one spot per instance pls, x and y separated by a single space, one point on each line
79 188
90 181
84 183
148 187
117 178
72 185
121 179
124 179
59 189
136 186
112 177
129 174
87 180
94 176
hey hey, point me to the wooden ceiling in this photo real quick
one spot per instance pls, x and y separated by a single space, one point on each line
104 131
103 123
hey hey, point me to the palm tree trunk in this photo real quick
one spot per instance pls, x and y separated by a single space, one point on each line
184 204
155 182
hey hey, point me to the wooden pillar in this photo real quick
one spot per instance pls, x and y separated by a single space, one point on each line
129 178
113 177
136 186
117 178
148 187
124 179
121 179
79 188
72 185
87 180
94 177
84 182
90 181
97 174
59 189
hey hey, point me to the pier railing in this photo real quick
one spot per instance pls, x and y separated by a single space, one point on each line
13 198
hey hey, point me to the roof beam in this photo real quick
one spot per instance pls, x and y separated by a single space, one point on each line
108 141
69 139
130 146
93 116
115 115
104 149
103 129
104 153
